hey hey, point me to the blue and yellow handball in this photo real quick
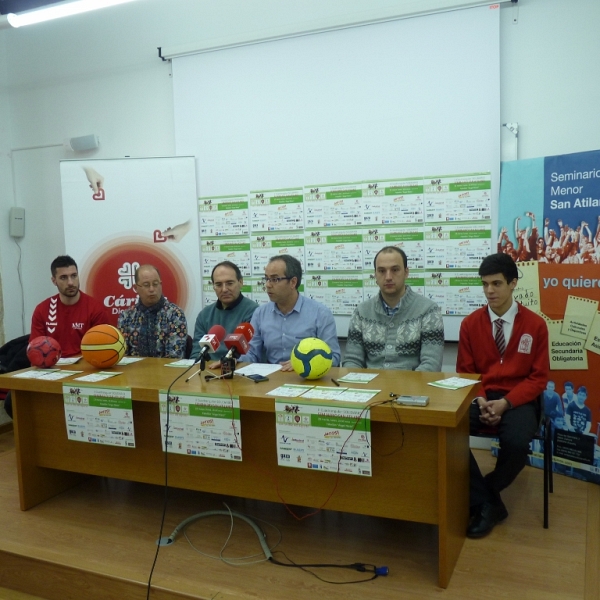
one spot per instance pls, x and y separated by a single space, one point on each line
311 358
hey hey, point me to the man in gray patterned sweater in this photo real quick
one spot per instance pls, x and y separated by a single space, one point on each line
398 328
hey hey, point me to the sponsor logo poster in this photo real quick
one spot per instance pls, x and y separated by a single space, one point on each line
323 437
99 415
201 425
142 211
550 224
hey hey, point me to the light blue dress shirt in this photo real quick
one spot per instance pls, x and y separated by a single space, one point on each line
276 334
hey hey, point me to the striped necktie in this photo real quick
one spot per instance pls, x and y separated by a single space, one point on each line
499 336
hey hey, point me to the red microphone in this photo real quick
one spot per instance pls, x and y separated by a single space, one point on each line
237 342
211 341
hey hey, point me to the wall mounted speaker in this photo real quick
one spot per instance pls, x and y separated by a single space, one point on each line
84 142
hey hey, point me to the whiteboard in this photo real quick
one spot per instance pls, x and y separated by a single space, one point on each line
412 97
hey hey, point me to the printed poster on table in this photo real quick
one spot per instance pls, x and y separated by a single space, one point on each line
323 437
99 415
550 224
201 425
144 211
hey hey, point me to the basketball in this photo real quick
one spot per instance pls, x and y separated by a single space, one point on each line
103 346
311 358
43 351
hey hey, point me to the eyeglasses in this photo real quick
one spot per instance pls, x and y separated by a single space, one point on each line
273 280
147 285
223 284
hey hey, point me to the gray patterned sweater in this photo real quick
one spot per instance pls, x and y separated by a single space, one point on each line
411 340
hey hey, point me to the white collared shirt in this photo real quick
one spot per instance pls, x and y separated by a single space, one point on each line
509 320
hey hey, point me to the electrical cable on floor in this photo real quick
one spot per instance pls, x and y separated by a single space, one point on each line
238 560
361 567
262 539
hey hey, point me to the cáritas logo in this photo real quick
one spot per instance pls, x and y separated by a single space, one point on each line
109 274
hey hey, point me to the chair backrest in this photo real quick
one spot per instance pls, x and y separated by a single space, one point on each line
189 344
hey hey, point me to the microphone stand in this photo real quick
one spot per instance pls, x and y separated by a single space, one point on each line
227 370
228 367
202 367
226 376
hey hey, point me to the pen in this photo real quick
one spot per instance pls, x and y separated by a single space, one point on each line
334 381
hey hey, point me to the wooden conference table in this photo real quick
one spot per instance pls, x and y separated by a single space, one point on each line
426 481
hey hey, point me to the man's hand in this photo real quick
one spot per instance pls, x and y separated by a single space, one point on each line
286 365
215 365
491 411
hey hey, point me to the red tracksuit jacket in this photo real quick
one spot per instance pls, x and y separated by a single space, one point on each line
524 370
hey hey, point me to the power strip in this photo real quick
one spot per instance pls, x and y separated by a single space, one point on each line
413 400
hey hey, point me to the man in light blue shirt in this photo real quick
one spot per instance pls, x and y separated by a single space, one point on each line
288 318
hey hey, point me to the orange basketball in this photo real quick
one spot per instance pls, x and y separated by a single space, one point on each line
103 346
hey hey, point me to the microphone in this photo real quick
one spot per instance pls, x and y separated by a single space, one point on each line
237 342
211 341
208 343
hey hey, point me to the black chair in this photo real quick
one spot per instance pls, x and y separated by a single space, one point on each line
544 435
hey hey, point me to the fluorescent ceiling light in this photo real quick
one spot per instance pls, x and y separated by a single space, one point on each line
56 11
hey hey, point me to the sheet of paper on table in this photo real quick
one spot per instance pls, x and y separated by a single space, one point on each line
47 374
453 383
67 361
98 376
128 360
289 390
258 369
183 363
357 377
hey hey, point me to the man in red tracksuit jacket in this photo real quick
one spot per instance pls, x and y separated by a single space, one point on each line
512 358
66 316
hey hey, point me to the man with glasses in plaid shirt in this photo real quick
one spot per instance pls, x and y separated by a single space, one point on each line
288 318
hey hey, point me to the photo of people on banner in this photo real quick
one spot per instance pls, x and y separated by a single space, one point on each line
549 223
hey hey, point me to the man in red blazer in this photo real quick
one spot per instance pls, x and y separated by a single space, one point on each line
508 345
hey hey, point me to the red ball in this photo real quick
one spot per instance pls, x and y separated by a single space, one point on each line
43 351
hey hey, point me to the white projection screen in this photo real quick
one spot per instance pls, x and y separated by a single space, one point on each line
405 98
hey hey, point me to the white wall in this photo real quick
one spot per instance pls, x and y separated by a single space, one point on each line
5 178
99 73
550 75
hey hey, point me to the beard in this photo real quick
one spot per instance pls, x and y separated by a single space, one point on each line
71 291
